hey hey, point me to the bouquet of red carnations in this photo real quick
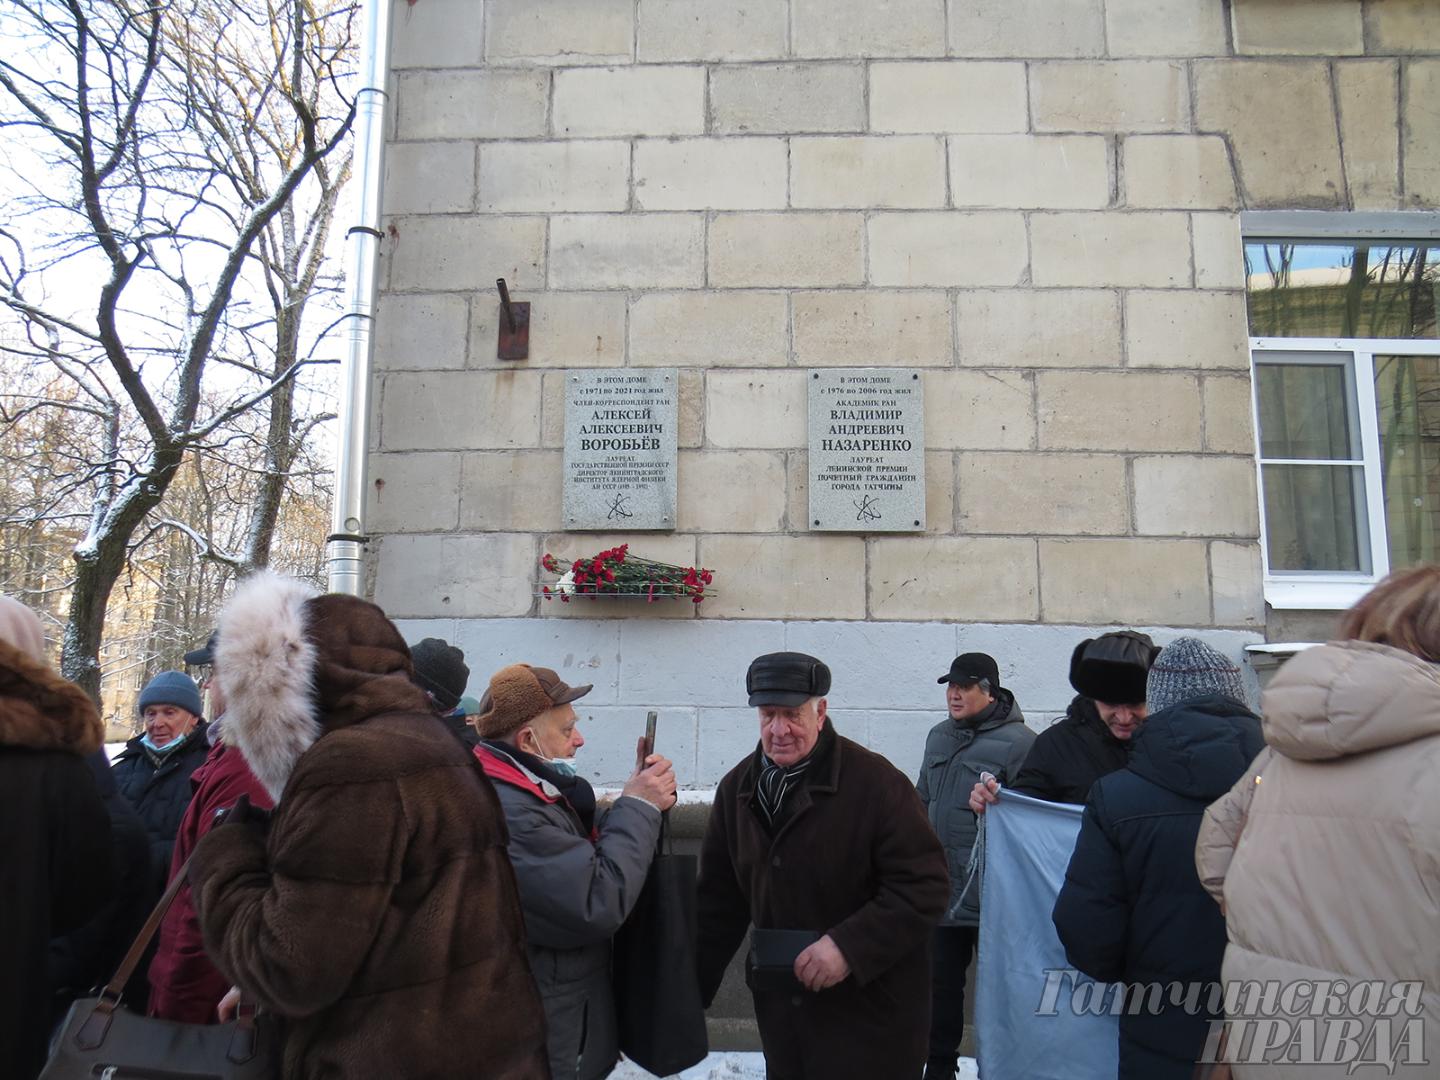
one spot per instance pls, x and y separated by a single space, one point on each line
615 572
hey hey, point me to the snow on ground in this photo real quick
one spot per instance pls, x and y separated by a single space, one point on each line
733 1066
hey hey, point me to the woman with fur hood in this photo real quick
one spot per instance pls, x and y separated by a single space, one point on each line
375 909
1325 856
54 830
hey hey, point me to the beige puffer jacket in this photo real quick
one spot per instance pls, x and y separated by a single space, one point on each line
1326 855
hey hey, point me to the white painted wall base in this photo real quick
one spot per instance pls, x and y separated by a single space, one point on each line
884 693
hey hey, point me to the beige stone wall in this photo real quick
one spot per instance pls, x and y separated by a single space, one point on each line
1034 201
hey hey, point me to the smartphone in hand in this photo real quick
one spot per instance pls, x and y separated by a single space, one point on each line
650 719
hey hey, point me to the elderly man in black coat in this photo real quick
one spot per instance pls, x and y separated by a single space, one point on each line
1132 908
825 849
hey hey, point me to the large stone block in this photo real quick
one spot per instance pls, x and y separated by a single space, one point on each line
1297 27
732 491
560 31
420 331
1402 26
1125 581
1280 119
711 174
1025 28
862 171
1139 250
510 492
1235 584
566 330
756 409
1110 95
939 490
961 96
1052 172
531 177
868 28
451 254
649 100
1229 428
1059 494
1039 327
712 30
493 103
1369 130
661 668
429 177
786 250
947 248
461 410
1421 121
1195 496
438 34
1165 28
1189 172
608 759
635 251
413 492
955 578
690 426
785 577
1132 410
462 576
582 651
872 329
880 666
710 329
978 410
1184 329
785 99
1219 256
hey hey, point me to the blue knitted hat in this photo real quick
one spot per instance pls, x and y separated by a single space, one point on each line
172 688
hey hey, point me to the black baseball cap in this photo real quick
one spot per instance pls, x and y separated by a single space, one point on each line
972 667
205 654
786 678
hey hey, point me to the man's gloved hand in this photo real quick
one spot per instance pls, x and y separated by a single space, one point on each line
243 813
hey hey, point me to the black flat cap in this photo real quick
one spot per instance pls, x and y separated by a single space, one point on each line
786 678
205 654
972 667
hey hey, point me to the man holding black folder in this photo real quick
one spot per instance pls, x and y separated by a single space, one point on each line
825 849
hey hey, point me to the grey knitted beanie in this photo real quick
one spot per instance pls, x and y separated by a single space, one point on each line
1188 668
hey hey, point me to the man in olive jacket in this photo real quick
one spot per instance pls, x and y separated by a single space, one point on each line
579 871
985 732
813 833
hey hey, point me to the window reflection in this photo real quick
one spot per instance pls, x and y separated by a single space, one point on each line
1342 290
1407 397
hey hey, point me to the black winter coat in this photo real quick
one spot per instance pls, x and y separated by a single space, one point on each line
87 956
1070 755
55 836
161 793
1132 908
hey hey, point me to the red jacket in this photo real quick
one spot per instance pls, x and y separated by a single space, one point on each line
184 984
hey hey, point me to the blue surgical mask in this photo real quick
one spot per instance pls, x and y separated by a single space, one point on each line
565 766
149 744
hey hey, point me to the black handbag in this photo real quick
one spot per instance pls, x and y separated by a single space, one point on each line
101 1040
659 1014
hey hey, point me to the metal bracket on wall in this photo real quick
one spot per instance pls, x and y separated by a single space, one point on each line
514 337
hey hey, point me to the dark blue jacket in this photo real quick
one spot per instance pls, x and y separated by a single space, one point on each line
160 794
1132 908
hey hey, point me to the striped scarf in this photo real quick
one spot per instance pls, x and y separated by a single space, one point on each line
775 785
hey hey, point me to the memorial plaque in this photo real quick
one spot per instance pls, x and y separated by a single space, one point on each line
867 450
620 448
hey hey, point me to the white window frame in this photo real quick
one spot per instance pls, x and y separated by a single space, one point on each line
1325 591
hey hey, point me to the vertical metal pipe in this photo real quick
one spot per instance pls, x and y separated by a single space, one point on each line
345 547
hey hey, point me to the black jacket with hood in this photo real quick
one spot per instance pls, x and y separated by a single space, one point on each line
160 792
1070 755
1132 908
956 753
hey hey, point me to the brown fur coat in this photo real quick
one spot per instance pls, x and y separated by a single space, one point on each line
379 914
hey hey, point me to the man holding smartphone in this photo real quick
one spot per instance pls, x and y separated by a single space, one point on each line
579 871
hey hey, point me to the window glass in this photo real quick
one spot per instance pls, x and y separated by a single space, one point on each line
1312 517
1407 398
1342 290
1304 411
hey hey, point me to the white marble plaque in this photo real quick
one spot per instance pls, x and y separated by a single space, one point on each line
620 428
867 450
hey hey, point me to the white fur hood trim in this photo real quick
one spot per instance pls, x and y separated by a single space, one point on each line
266 668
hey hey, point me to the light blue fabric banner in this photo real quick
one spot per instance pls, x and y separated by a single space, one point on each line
1035 1018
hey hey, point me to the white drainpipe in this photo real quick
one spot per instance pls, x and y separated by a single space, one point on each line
345 548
